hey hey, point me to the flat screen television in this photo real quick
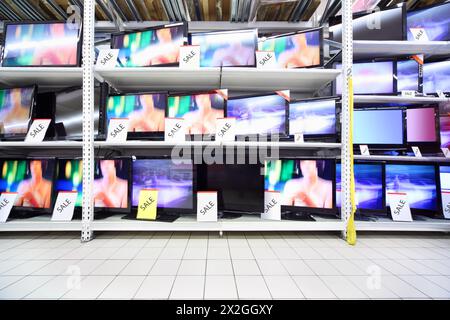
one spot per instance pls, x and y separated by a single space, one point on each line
370 195
422 125
408 75
146 112
155 46
435 77
200 111
300 49
175 183
16 110
227 48
264 114
418 181
375 77
444 179
435 20
32 179
315 118
379 128
69 177
306 185
444 128
42 44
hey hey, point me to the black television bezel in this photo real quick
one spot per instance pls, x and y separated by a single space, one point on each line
286 118
426 144
163 26
420 9
435 94
79 45
414 211
419 74
308 210
321 43
163 211
18 136
255 30
317 137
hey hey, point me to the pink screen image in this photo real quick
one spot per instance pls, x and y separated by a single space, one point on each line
421 125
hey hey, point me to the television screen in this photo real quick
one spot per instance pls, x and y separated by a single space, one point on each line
15 110
444 173
227 48
174 181
434 20
444 127
32 179
370 78
152 47
111 183
200 111
417 181
313 117
421 125
302 49
369 190
146 111
302 183
41 44
263 115
69 177
435 77
407 75
379 127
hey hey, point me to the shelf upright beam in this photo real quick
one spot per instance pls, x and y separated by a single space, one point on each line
347 97
88 119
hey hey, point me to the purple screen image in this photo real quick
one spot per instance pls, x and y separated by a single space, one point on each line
378 127
435 77
312 117
435 21
421 125
407 75
444 127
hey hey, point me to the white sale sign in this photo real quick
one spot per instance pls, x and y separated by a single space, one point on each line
37 130
225 129
419 34
7 200
190 57
364 148
64 206
107 58
175 130
118 130
272 205
446 204
400 210
266 60
207 206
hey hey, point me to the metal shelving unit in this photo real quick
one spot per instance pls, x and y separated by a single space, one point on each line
51 78
398 99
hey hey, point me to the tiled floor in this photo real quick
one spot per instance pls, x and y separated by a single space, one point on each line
236 266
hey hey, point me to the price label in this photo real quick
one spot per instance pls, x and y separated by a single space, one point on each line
107 58
207 206
37 130
7 200
440 94
417 152
272 206
364 150
64 206
226 129
400 210
419 34
408 93
446 152
190 57
266 60
299 138
175 130
446 204
118 129
148 204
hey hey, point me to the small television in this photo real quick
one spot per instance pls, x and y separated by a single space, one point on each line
370 195
200 111
379 128
16 111
444 179
42 44
33 180
155 46
69 177
418 181
408 75
227 48
175 182
306 185
444 128
299 49
315 118
264 114
422 125
375 77
435 77
145 111
434 20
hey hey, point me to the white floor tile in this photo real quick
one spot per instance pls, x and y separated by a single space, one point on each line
441 281
79 253
165 268
194 253
187 287
401 288
252 287
347 267
220 287
374 288
218 253
437 265
126 253
417 267
138 268
54 254
427 287
297 267
9 264
245 268
192 268
90 287
26 268
8 280
329 253
85 267
308 253
155 287
312 287
271 268
264 253
285 253
217 242
23 287
172 253
322 267
148 253
122 287
53 289
56 268
219 267
393 267
283 287
110 268
342 287
241 253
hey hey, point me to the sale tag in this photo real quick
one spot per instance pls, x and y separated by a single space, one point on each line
175 130
408 93
107 58
266 60
440 94
118 130
7 200
417 152
446 152
148 204
225 129
446 204
364 150
272 205
400 210
37 130
190 57
299 138
207 206
419 34
64 206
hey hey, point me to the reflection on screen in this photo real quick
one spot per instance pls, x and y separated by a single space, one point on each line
41 44
15 105
435 21
378 126
150 47
417 181
368 186
294 51
111 183
312 117
173 181
69 177
302 183
407 75
227 49
421 125
146 112
444 173
435 77
258 115
199 111
444 127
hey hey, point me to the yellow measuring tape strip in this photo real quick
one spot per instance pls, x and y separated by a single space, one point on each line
351 230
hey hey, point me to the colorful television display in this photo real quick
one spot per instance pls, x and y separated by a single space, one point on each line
444 127
69 177
435 77
15 110
111 183
444 175
421 125
378 127
313 117
435 21
407 75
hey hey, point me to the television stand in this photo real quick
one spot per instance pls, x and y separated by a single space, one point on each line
296 216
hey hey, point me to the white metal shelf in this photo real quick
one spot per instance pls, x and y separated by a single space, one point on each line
398 99
48 77
42 145
40 223
384 224
402 158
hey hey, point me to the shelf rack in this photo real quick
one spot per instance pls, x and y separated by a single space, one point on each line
47 77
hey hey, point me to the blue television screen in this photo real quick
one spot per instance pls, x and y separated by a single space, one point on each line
444 173
435 77
368 186
407 75
315 117
382 127
435 21
416 180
